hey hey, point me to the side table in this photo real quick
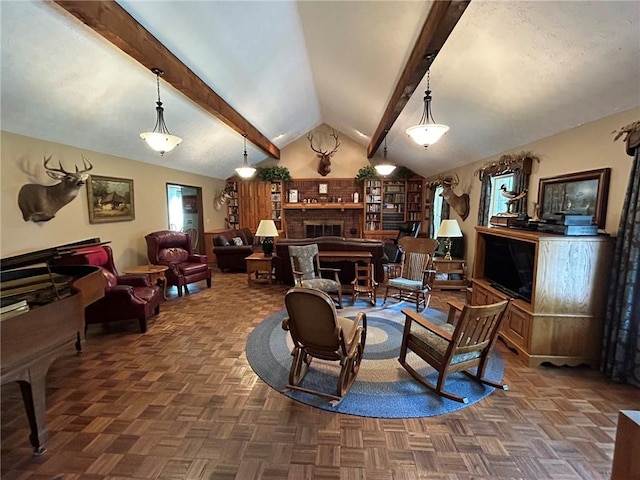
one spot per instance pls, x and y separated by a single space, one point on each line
154 272
455 271
261 266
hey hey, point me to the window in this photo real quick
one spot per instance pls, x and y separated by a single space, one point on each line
498 201
437 210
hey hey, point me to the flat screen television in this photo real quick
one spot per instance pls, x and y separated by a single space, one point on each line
509 264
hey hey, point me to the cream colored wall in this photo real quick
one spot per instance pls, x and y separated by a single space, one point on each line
302 162
587 147
22 157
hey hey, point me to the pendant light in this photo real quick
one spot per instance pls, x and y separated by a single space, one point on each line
427 132
245 171
160 139
385 168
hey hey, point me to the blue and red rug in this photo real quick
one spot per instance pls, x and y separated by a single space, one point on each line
383 389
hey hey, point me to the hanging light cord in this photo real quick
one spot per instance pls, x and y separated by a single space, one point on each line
160 125
384 152
426 113
246 164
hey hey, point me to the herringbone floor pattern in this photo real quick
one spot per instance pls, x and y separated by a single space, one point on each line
181 402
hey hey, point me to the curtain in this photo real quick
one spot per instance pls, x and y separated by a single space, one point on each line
620 359
446 211
432 197
520 184
485 200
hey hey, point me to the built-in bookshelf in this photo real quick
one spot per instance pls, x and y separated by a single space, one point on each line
373 205
414 200
232 205
393 204
277 213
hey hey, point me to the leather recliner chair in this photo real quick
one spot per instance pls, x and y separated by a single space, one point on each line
173 249
125 296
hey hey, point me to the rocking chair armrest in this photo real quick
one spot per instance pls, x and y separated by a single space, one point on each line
455 307
412 316
285 324
392 270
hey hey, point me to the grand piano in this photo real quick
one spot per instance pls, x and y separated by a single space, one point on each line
42 319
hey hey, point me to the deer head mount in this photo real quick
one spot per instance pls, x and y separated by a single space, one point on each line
220 199
459 203
324 166
39 203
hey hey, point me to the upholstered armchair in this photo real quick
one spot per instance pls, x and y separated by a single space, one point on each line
307 272
173 249
125 297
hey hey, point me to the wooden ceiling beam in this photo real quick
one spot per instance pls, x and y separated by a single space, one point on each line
114 23
441 20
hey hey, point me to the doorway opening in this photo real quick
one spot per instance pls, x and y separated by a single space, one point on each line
184 207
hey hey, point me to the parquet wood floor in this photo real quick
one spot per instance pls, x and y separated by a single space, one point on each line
181 402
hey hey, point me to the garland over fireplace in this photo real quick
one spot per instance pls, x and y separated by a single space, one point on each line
323 228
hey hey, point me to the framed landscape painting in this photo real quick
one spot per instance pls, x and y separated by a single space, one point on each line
581 193
110 199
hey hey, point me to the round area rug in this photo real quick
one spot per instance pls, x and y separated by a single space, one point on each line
382 389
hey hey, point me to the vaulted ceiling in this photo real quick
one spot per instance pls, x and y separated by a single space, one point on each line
508 74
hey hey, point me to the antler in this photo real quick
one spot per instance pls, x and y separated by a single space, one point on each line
61 170
85 160
86 169
325 153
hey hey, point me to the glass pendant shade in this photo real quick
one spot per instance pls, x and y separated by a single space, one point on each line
245 171
160 139
161 142
427 132
384 169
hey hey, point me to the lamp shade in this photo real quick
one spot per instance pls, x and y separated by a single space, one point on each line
161 142
245 172
427 134
267 228
384 169
449 228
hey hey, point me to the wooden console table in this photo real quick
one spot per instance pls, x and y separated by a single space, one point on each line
457 267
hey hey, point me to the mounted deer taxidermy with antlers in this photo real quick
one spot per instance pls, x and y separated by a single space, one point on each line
220 199
459 203
39 203
324 166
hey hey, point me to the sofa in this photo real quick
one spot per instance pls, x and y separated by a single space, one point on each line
282 262
231 247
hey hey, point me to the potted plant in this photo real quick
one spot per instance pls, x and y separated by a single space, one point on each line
366 173
274 174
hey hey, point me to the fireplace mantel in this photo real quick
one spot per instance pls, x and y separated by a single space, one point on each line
324 206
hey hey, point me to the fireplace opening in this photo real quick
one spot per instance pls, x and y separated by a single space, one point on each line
323 228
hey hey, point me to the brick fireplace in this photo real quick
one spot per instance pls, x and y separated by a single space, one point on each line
323 221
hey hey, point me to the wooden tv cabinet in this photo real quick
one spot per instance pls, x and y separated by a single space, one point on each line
563 322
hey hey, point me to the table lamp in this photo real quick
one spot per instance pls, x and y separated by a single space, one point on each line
267 230
448 229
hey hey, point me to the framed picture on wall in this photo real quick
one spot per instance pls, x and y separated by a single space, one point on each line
581 193
110 199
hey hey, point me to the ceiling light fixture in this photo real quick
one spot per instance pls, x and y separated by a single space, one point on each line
160 139
427 132
385 168
245 171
